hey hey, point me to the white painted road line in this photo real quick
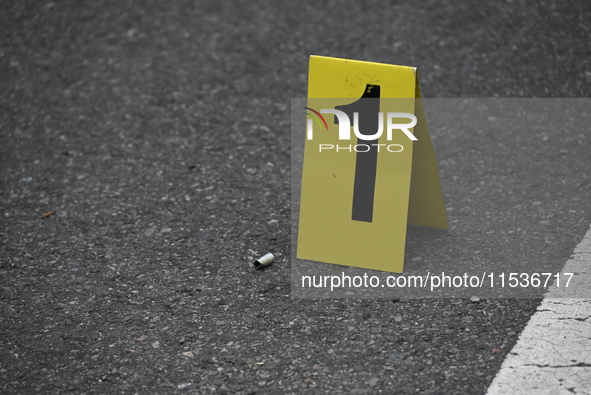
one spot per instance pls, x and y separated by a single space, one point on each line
553 353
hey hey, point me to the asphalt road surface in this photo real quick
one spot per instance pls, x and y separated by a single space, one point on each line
145 160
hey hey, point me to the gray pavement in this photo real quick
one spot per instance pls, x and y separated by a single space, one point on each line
553 353
158 135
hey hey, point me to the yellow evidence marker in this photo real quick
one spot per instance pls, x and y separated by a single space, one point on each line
369 166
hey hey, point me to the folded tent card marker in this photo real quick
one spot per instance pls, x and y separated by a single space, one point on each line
369 167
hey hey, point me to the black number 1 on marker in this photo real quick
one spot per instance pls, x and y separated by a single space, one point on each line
367 108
